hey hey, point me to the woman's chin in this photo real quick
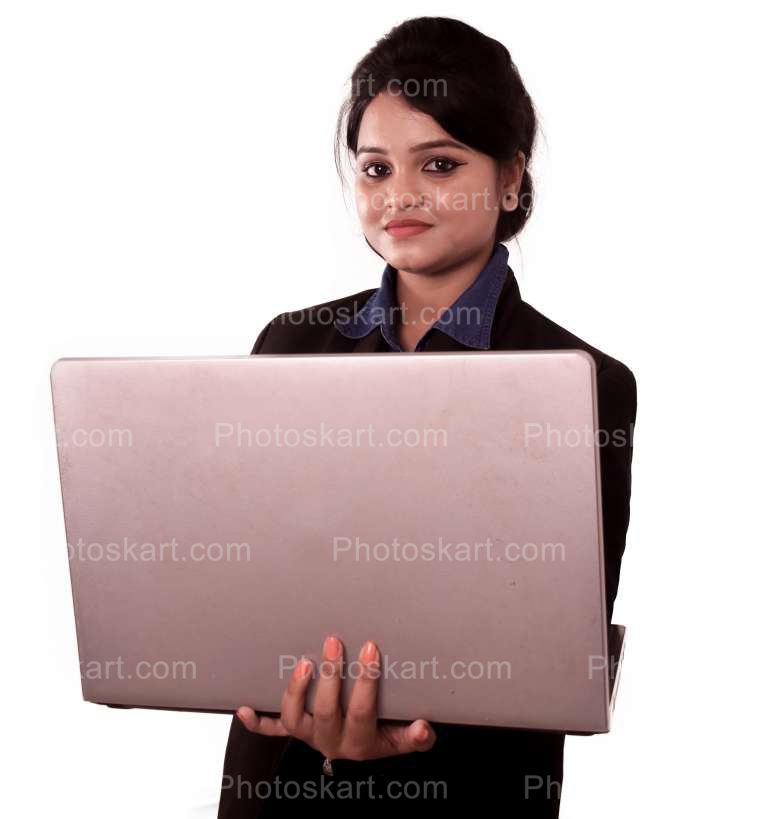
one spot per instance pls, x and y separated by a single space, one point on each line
413 253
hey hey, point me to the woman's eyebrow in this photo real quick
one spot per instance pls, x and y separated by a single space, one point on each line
422 146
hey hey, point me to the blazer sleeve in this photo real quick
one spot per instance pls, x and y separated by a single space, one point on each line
249 758
616 388
259 343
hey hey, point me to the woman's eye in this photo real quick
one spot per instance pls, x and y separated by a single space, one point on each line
444 161
374 165
441 164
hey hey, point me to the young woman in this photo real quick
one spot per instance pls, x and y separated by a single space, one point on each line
441 129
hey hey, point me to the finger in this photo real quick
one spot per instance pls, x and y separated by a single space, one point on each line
293 715
360 735
261 724
405 739
327 713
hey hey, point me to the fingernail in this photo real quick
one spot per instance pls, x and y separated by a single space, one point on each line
332 648
422 733
301 669
369 652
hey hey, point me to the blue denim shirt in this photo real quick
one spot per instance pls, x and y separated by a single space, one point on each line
468 320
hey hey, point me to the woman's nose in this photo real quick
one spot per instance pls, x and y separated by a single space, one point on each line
404 192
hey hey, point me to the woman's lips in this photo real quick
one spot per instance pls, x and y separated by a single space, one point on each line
403 231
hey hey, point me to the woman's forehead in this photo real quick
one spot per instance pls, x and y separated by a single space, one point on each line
390 125
392 116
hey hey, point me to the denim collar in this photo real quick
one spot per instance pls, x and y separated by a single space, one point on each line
468 320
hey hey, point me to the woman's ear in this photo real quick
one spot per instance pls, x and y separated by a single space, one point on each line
511 175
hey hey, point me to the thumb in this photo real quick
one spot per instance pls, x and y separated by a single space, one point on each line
406 739
420 735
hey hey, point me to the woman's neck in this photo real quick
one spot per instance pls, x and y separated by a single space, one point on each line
423 297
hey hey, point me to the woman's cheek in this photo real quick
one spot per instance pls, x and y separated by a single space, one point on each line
366 207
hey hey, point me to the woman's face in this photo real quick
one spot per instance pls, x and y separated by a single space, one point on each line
455 190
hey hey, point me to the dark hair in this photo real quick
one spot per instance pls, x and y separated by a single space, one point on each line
483 102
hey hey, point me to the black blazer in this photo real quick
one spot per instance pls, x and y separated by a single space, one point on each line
482 766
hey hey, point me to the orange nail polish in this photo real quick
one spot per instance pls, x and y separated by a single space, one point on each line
301 669
332 648
369 652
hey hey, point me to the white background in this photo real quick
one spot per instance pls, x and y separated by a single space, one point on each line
167 186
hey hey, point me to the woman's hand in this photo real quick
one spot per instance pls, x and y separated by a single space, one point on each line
354 735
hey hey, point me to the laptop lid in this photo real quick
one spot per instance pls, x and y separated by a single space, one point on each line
223 515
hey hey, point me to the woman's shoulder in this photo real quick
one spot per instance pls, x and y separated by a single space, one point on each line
544 333
311 327
528 328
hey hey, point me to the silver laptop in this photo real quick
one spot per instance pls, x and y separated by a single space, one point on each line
223 515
